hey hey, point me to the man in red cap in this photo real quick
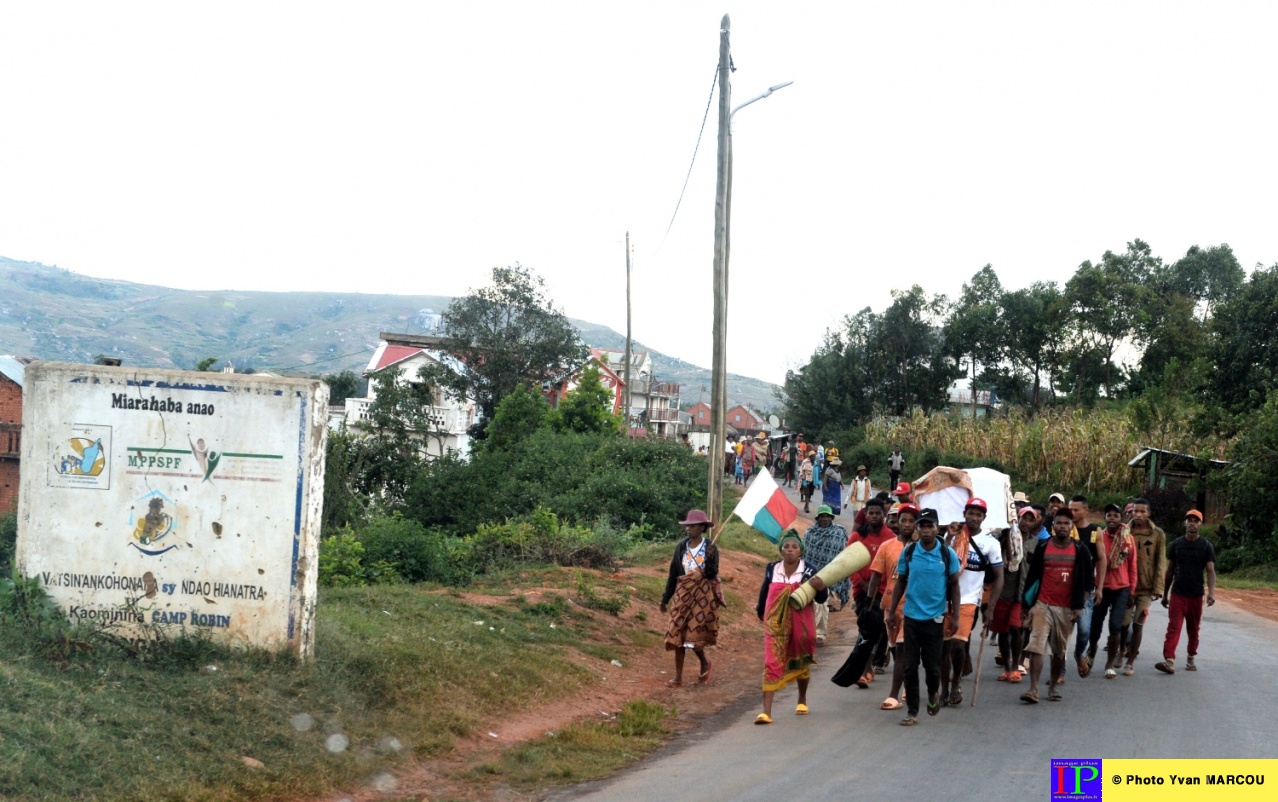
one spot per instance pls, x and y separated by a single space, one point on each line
1187 559
982 559
904 493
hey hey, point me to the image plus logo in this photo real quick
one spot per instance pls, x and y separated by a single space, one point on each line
1076 779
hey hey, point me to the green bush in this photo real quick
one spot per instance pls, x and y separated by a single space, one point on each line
541 538
341 563
1253 483
8 540
416 553
581 478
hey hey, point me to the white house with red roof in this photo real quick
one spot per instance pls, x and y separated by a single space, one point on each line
450 417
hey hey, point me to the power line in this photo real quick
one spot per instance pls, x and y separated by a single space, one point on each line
697 147
328 359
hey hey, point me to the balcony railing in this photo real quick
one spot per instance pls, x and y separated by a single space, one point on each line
444 419
667 415
668 389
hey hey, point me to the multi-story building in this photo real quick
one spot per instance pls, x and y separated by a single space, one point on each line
654 405
11 370
448 418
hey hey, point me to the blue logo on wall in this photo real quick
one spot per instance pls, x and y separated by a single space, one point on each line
1076 779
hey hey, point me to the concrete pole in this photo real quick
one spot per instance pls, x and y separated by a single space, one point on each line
626 378
719 360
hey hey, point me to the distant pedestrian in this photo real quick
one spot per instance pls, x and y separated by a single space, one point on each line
789 636
927 582
692 597
859 490
896 464
760 453
1187 560
832 485
806 486
791 464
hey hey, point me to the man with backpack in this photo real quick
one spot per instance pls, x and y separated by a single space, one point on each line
871 628
982 559
1059 576
927 580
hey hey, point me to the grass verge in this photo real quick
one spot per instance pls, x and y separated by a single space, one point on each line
399 670
1253 577
580 752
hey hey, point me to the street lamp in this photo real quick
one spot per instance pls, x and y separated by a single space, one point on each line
723 215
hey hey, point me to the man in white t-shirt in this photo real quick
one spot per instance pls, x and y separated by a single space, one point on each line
982 559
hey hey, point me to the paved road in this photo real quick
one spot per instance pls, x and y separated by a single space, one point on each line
847 745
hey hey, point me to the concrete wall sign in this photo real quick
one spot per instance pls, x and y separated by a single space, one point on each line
186 500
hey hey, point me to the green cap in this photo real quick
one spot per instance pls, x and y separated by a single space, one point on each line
824 509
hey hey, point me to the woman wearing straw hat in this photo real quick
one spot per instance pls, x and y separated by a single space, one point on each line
832 483
692 597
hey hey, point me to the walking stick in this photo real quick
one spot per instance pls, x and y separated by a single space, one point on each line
976 681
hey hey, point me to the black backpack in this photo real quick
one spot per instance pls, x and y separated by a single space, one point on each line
908 555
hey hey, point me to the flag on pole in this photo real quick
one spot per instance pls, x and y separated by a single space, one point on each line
766 507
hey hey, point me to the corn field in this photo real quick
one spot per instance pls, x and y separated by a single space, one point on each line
1071 449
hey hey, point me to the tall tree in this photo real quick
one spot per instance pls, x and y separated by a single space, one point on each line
1242 345
1106 299
1209 276
973 330
507 335
1033 323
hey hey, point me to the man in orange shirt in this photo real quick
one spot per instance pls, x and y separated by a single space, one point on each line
882 581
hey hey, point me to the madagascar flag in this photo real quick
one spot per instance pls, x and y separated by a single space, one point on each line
765 507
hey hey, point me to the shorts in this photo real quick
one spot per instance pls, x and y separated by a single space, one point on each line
1007 616
895 626
1138 609
967 620
1050 627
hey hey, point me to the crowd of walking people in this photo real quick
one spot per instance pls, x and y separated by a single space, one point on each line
1051 590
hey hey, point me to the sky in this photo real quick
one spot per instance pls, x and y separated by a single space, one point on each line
409 148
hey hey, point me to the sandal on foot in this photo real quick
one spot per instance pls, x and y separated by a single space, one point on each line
1084 666
1166 667
1129 670
1005 676
1054 695
763 718
800 709
1030 696
704 676
673 683
865 680
1014 676
956 697
909 721
933 708
890 703
1190 665
1110 673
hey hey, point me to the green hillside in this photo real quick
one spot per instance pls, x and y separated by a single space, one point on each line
51 313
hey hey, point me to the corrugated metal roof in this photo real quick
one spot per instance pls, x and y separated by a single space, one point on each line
12 369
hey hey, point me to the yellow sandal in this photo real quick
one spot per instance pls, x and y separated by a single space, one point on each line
801 710
763 718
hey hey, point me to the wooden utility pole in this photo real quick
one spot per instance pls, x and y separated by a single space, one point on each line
626 377
719 360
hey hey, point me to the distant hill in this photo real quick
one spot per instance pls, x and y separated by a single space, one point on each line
51 313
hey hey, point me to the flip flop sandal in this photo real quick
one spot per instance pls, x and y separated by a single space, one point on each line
1054 696
1191 667
1030 696
1084 667
956 698
704 676
673 683
1005 676
1129 670
890 703
763 718
1015 676
1165 667
933 708
801 710
1110 673
909 721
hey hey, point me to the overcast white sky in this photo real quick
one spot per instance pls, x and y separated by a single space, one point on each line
410 147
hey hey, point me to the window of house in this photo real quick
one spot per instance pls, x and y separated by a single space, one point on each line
736 418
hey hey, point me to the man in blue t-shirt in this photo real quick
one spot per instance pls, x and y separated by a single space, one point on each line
927 578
